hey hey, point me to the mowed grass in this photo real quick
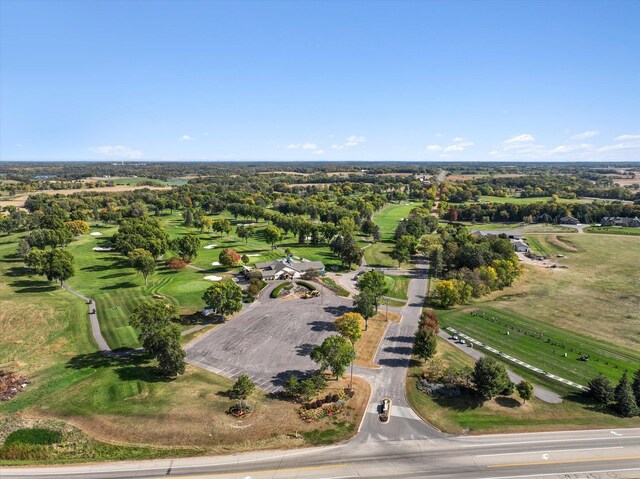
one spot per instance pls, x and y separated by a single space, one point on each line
118 289
598 294
397 286
389 217
613 230
377 254
469 414
534 228
527 201
544 346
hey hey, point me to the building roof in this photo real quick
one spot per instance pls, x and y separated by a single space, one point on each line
270 268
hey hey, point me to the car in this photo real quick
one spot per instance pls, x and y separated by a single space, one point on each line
456 337
462 341
385 410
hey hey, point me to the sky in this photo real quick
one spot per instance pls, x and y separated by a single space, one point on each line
332 80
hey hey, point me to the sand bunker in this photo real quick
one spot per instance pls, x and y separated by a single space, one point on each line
253 255
102 248
212 278
96 233
215 263
210 246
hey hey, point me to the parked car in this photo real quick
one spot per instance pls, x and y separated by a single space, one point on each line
385 410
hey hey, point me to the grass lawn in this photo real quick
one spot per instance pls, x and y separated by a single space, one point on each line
335 287
367 346
123 401
389 217
542 345
503 414
613 230
533 228
397 286
377 255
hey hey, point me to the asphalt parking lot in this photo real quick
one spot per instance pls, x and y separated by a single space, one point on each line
270 340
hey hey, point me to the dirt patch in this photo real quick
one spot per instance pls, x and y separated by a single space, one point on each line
11 384
562 243
367 346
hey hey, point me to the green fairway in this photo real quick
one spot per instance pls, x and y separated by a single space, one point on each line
543 346
397 286
389 217
377 255
533 228
118 289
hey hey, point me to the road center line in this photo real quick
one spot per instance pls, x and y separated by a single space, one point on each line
549 441
550 451
564 461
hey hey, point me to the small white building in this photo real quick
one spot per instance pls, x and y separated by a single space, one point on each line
286 269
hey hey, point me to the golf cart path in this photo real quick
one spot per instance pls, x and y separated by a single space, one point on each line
93 317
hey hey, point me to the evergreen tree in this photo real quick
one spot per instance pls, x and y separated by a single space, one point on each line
601 389
625 400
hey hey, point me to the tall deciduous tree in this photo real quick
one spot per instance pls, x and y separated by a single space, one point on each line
187 246
224 297
349 325
525 390
142 261
229 257
159 336
335 353
364 304
272 234
426 343
374 283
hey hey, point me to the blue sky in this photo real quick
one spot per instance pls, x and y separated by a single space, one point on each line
303 80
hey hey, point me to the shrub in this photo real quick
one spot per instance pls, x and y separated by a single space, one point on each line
34 437
176 264
307 285
280 287
335 398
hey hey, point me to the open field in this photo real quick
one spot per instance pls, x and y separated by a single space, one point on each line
468 414
476 176
613 230
598 293
542 345
367 346
534 228
528 201
18 200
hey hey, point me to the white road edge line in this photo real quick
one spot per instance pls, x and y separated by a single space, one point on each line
564 474
548 441
549 451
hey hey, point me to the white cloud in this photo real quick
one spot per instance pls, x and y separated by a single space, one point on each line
458 144
302 146
318 152
627 138
584 135
187 138
520 139
117 151
571 148
353 140
453 148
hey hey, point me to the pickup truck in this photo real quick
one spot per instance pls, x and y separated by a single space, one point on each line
385 410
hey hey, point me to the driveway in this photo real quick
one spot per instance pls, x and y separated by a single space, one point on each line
269 340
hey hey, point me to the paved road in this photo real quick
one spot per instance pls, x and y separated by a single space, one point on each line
566 455
93 317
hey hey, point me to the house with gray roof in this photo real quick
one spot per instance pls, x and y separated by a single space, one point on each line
286 269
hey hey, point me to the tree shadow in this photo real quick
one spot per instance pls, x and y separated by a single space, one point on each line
336 310
304 349
18 271
505 401
394 362
468 401
405 350
321 326
33 286
400 339
128 364
122 285
280 378
115 275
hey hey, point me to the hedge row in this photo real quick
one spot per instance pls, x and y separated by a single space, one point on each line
277 289
307 285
